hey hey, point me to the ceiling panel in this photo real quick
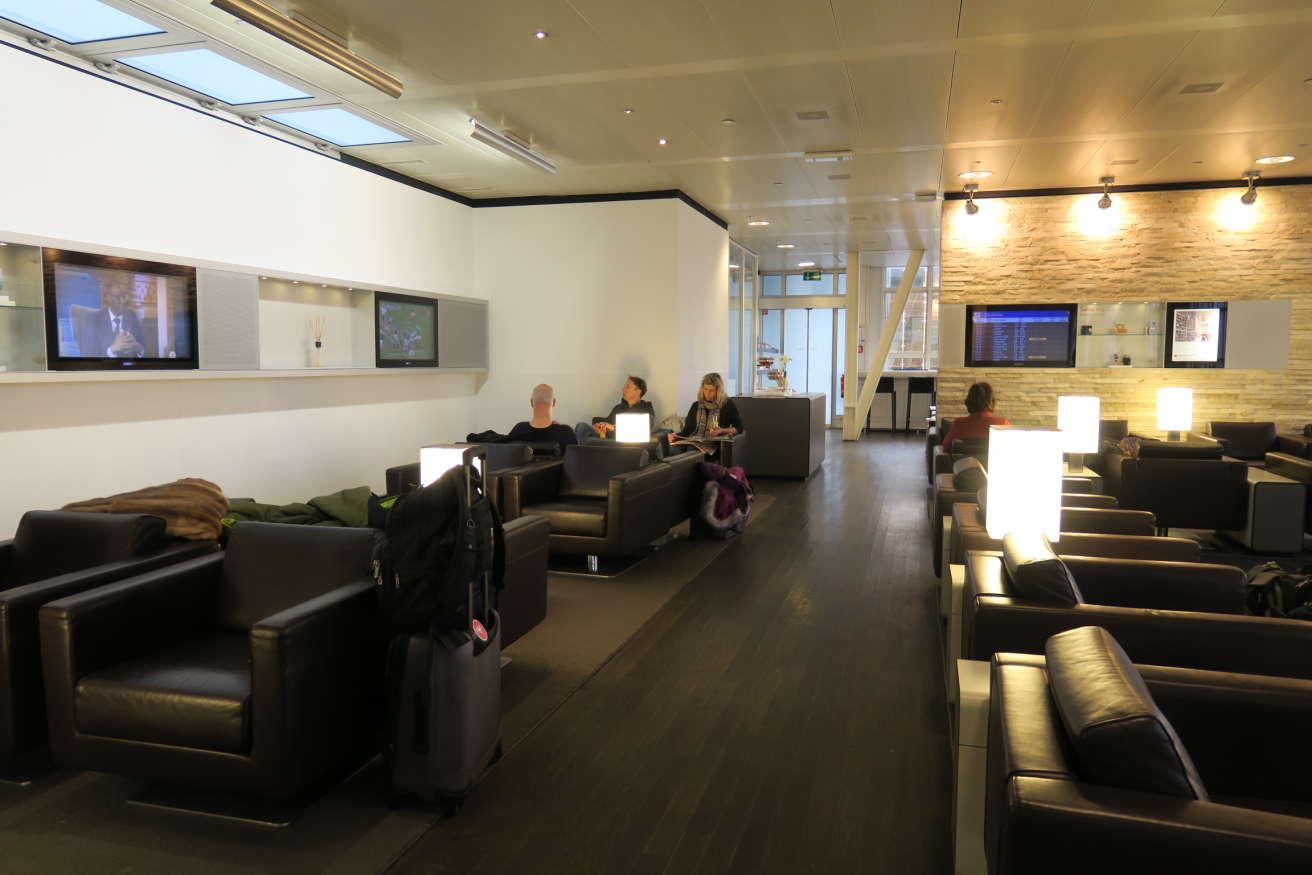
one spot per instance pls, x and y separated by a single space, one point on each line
769 27
902 101
1018 76
1249 7
1111 12
1212 156
1050 165
1147 153
882 22
904 173
669 32
1283 95
998 160
785 91
987 17
704 101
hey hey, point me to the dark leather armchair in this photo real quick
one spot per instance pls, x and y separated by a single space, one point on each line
522 603
257 669
1096 765
1299 445
1187 493
655 447
54 554
962 448
500 457
600 501
1299 469
1110 463
933 439
1251 441
1187 614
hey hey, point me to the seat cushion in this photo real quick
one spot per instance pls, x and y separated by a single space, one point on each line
502 456
1247 440
1036 572
587 470
585 517
1121 737
50 543
968 475
196 694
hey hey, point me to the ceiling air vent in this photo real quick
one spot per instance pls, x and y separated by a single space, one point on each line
814 115
1202 88
1122 162
841 176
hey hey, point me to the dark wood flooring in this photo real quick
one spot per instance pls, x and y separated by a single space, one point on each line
784 714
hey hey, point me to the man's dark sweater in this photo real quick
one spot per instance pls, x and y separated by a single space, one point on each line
561 434
624 407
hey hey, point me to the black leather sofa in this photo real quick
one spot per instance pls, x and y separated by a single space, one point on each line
1299 469
1186 614
55 554
257 669
600 501
1097 765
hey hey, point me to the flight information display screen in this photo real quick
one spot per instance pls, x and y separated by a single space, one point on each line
1020 335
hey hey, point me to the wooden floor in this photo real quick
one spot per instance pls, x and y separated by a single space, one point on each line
785 713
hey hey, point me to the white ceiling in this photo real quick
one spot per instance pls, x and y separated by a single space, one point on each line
1043 93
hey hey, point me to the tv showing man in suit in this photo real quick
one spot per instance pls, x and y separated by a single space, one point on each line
115 330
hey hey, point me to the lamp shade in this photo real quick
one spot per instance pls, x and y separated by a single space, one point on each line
633 428
1024 481
437 460
1175 408
1078 417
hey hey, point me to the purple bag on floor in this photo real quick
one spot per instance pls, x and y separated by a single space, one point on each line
726 500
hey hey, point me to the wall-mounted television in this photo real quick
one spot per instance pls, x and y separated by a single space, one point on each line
1020 335
109 313
405 331
1195 334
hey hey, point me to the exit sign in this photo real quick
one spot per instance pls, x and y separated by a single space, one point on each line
809 275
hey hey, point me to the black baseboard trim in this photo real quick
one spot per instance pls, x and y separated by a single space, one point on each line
1126 189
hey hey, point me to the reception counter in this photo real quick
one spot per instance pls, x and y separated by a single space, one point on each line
787 433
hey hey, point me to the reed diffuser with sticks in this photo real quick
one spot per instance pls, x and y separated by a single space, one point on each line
316 328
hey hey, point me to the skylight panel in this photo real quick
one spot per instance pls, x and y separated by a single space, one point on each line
213 75
75 21
338 126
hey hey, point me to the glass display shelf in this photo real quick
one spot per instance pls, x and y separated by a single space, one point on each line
1126 334
5 308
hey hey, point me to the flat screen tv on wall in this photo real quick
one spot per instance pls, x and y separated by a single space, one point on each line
1020 335
406 331
1195 334
109 313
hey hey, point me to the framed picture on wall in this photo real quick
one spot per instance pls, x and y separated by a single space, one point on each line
1195 334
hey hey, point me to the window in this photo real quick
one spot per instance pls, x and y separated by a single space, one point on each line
75 21
211 74
895 277
772 284
337 126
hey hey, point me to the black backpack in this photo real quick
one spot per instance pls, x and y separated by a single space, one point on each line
441 538
1274 592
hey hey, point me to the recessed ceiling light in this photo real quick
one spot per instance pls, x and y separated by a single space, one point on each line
1276 159
759 222
784 245
806 264
726 121
813 116
1124 162
735 266
1195 162
627 111
995 102
778 183
296 282
840 176
975 174
661 141
541 34
263 277
1202 88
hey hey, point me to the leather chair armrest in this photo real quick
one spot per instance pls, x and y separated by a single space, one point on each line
1089 499
1098 521
1168 586
637 506
1076 485
967 530
293 637
1294 444
1082 829
942 461
531 484
6 550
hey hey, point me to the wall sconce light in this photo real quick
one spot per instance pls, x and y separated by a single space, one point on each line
1078 418
971 207
633 428
437 460
1105 201
1175 410
1024 481
1250 197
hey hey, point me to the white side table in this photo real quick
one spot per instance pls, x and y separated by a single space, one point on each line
1275 514
968 790
955 577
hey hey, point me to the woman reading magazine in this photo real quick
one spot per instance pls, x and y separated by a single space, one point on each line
712 418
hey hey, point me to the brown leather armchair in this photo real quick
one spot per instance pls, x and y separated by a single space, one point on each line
1251 441
1096 765
1188 614
1187 493
1109 463
54 554
500 457
257 669
600 501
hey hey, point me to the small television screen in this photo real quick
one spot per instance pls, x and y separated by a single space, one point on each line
406 330
1020 335
109 313
1195 336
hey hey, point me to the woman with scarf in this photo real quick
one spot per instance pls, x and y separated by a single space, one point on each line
711 415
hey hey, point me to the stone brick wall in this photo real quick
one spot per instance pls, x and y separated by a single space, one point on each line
1157 246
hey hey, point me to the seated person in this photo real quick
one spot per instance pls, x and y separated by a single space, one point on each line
980 402
631 402
711 415
542 427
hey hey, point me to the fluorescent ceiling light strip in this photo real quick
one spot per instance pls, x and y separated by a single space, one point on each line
502 143
273 22
75 21
338 126
209 73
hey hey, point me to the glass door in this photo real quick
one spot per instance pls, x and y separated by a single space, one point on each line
805 320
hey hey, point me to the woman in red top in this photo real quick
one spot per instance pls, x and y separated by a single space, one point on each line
980 402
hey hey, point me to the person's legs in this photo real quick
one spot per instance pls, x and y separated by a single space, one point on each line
584 430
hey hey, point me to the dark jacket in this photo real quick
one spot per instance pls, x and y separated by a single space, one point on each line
728 418
643 406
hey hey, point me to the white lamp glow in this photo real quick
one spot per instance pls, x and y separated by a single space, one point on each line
436 461
1175 410
633 428
1078 417
1024 481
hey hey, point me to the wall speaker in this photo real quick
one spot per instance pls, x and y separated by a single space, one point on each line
228 306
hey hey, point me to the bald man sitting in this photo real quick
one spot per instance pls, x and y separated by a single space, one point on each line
542 427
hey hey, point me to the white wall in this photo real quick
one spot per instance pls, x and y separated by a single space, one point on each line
583 295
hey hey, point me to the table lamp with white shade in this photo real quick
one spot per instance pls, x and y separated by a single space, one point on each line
1079 418
1024 481
435 461
1175 410
633 428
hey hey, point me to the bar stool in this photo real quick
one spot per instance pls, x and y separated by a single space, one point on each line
921 386
885 387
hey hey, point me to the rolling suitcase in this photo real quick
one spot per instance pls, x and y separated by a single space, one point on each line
444 697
